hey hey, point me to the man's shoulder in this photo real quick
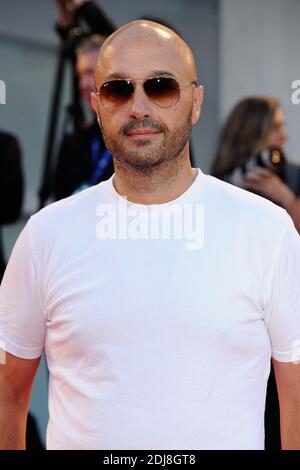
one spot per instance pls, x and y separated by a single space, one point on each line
68 212
242 206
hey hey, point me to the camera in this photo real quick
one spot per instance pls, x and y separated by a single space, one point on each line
272 159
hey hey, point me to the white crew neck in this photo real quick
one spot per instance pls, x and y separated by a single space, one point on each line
189 194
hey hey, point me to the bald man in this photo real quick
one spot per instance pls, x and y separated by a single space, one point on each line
158 296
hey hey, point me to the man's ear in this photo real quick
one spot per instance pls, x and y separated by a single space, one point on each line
198 99
94 101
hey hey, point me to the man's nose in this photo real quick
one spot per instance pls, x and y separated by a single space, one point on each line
140 104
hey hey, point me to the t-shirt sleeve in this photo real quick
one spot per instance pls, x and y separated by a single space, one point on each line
283 315
22 325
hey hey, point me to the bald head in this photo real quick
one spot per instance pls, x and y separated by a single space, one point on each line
141 43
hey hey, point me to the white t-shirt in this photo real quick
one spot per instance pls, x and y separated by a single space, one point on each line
154 342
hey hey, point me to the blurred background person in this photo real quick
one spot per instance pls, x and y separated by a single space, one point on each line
250 155
11 187
83 159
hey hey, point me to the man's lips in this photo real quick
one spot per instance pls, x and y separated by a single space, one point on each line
142 132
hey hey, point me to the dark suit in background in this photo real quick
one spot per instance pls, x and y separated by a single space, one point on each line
11 185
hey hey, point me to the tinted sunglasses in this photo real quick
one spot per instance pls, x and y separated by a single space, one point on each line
163 91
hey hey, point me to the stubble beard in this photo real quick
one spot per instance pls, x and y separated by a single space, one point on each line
147 155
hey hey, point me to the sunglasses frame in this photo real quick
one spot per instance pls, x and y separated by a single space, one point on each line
142 81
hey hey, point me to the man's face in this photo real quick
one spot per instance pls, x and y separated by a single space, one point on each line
142 134
85 67
277 136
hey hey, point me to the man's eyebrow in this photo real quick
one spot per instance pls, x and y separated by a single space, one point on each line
153 73
115 75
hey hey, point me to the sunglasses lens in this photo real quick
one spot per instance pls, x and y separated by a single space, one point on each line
164 91
116 93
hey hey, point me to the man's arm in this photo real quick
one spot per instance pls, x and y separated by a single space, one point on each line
288 385
88 10
95 17
16 379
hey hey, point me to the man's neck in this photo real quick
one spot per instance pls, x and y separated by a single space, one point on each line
165 183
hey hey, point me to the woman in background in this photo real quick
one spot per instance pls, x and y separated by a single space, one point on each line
254 127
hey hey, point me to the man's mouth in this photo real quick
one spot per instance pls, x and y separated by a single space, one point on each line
142 132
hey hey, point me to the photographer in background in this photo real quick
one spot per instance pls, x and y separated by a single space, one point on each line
83 159
250 155
253 134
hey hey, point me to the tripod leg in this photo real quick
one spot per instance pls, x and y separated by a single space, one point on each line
78 116
45 188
